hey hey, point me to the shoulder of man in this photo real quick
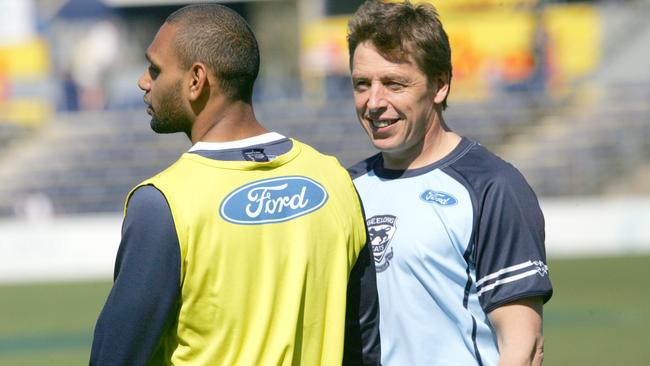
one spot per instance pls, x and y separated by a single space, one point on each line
325 162
363 167
149 182
482 162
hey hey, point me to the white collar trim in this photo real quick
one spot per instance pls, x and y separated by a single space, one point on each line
238 144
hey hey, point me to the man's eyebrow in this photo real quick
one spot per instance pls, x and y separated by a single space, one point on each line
388 76
358 76
395 77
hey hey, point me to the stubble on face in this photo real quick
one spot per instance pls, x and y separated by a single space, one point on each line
169 116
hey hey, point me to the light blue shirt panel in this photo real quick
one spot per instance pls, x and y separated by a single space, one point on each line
422 286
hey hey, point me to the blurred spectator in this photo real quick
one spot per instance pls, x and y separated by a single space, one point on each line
92 59
71 92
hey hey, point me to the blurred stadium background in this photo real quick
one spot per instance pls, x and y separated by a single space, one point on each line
559 88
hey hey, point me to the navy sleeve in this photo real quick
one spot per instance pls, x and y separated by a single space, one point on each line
510 254
144 297
362 346
362 340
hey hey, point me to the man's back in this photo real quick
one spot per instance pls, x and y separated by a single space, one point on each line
241 258
266 250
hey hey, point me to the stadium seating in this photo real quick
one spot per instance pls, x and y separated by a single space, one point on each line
88 161
85 162
590 144
11 132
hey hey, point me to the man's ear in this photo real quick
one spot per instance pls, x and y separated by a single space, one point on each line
441 85
198 81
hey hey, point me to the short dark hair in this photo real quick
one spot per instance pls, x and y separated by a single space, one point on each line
401 29
223 41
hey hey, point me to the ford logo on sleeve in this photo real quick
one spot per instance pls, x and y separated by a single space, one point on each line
440 198
273 200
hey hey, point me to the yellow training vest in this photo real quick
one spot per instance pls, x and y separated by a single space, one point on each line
266 250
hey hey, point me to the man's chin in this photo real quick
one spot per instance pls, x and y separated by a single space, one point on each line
161 127
383 145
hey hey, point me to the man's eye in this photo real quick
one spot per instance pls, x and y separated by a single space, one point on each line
360 85
153 71
392 85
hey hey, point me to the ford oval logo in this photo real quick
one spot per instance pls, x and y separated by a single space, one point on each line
273 200
441 198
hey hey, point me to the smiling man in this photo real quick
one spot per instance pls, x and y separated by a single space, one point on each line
457 234
251 248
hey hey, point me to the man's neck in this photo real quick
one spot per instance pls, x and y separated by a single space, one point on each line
426 153
226 121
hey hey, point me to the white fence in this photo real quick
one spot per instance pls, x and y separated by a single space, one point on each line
84 247
69 248
597 226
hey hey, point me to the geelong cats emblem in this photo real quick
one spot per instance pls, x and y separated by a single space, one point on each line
381 229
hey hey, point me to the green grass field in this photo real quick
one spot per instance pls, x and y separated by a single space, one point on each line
599 315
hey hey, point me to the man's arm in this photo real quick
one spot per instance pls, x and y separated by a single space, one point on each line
518 326
511 271
146 287
362 346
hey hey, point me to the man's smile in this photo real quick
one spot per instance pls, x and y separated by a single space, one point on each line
380 123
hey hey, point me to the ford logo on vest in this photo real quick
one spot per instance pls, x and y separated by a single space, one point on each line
273 200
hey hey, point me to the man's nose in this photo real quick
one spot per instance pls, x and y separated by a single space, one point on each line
144 82
377 99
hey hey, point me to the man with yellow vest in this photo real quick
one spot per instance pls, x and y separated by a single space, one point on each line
251 248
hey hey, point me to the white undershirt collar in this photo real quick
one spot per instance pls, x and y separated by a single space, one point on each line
238 144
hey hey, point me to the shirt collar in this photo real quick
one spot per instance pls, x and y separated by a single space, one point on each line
237 144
